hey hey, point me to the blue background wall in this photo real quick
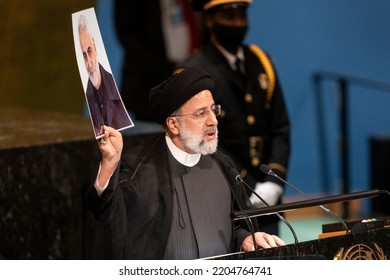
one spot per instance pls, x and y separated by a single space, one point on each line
345 36
350 37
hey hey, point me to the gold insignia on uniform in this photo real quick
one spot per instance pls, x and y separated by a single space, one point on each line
269 71
255 161
248 97
263 81
250 120
255 149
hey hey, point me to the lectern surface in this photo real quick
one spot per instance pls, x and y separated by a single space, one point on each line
369 245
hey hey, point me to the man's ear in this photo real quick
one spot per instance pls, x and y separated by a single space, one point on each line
172 125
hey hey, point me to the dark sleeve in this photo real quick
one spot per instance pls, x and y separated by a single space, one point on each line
104 221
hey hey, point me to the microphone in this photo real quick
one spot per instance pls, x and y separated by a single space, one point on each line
238 178
233 173
265 169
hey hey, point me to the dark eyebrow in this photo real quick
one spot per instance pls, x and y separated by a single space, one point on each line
203 108
206 108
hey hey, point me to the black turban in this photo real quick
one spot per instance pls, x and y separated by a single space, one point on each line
170 95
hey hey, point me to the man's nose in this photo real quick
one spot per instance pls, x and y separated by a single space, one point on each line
89 61
212 119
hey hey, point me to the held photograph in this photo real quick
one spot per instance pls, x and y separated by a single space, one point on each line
105 105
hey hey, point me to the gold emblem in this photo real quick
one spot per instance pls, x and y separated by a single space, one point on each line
250 120
243 173
255 161
255 149
263 81
361 252
248 98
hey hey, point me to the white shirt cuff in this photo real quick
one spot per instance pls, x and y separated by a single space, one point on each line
100 190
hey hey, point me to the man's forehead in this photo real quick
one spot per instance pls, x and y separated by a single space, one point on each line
84 33
200 99
86 39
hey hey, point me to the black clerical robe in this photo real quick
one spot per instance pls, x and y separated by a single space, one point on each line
133 216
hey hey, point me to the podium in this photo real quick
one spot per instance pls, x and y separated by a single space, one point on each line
372 244
370 241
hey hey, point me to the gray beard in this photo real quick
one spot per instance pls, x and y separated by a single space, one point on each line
196 143
95 79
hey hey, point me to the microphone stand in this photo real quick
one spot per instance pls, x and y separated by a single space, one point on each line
265 169
307 203
238 177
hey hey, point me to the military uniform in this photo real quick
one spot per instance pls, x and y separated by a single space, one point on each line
254 125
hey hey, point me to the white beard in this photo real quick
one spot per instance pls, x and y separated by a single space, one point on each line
95 78
196 143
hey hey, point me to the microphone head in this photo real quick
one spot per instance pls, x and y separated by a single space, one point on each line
234 173
265 169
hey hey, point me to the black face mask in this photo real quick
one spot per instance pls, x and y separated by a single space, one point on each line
230 37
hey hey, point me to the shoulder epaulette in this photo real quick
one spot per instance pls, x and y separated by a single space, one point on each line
269 70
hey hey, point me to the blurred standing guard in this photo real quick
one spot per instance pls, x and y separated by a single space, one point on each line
254 124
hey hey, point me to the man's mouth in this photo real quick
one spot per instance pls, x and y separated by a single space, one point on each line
210 134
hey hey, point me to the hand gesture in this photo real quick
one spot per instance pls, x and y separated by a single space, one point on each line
110 145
